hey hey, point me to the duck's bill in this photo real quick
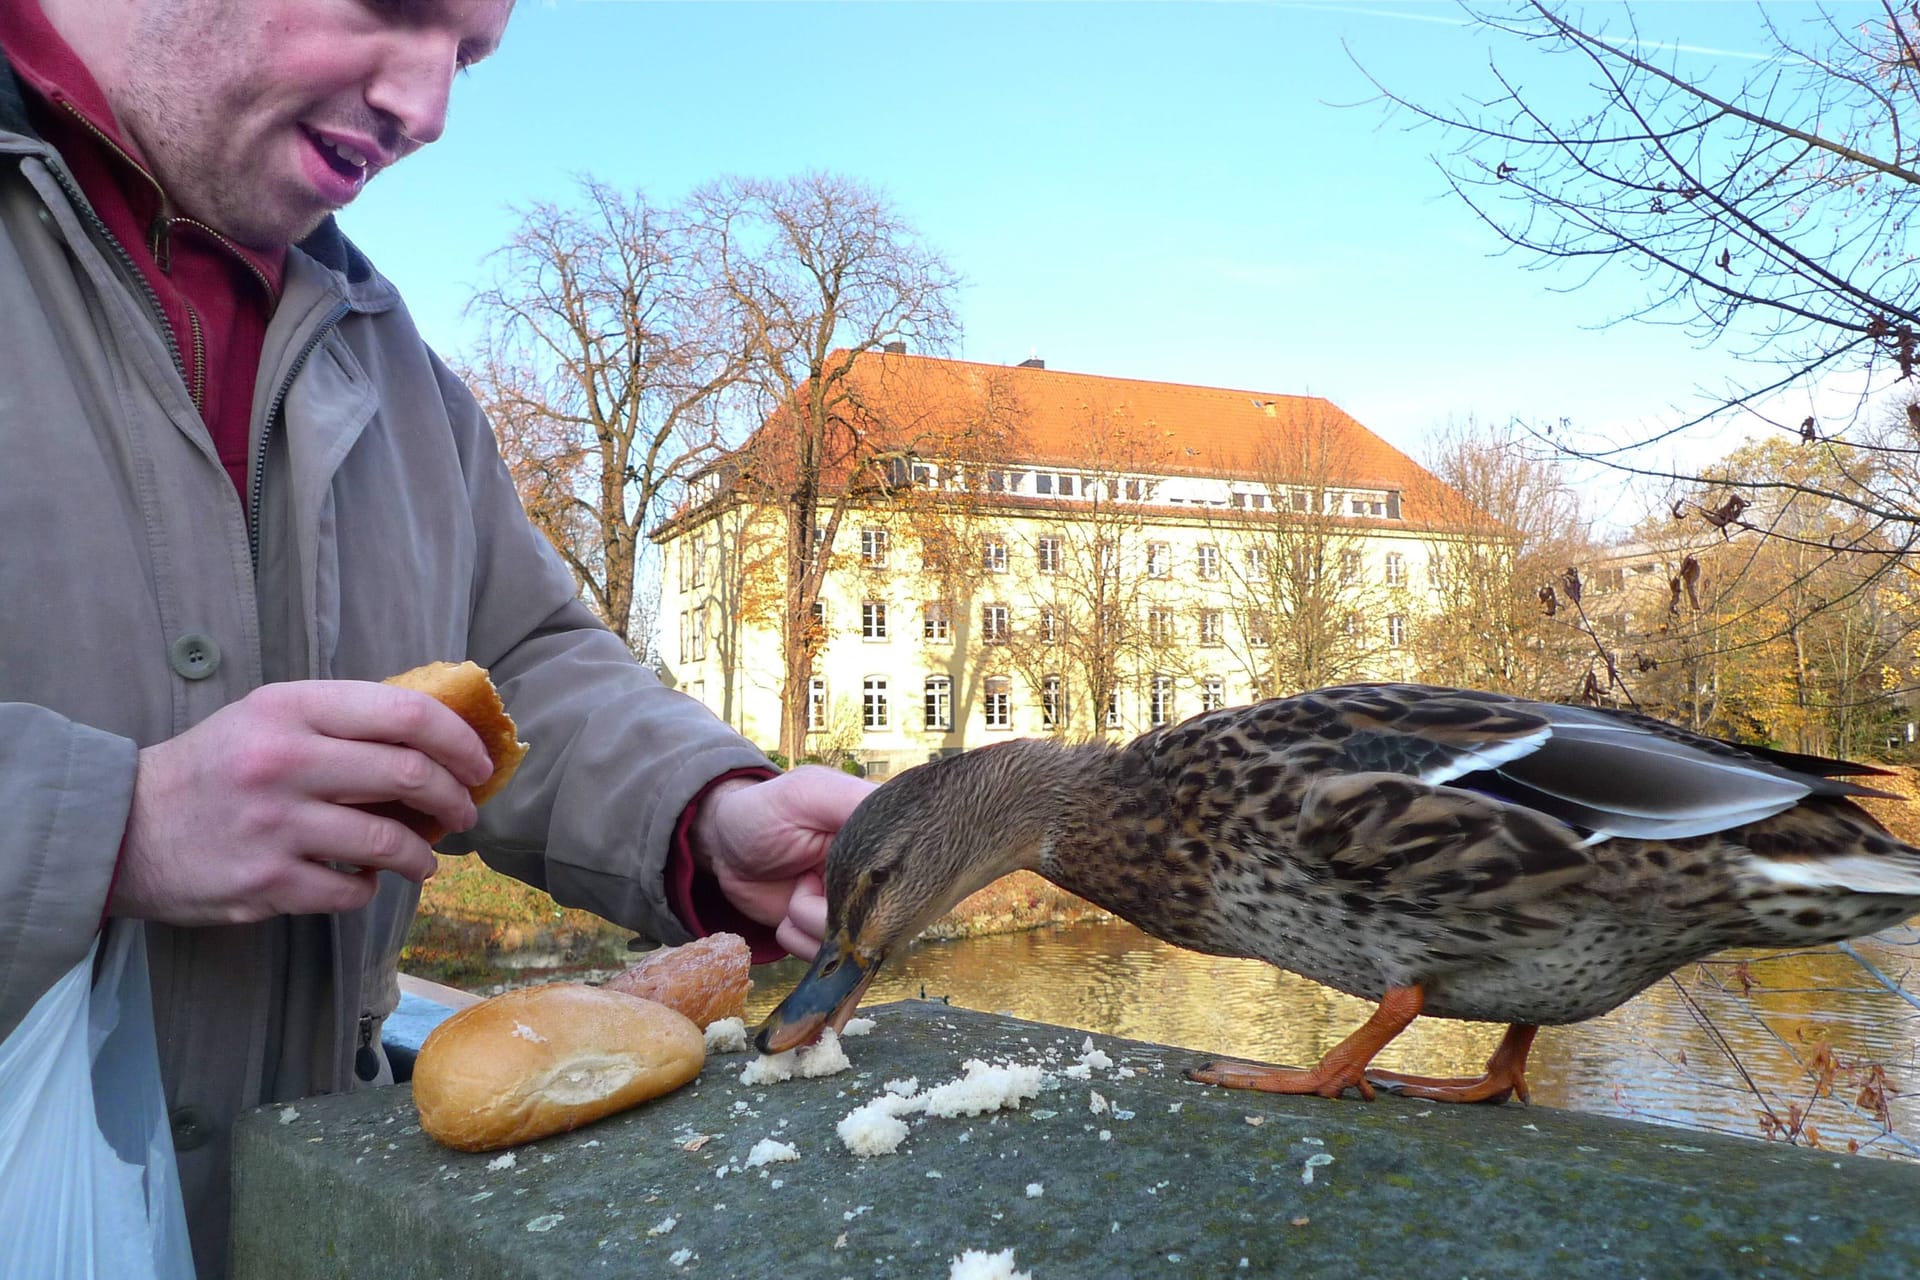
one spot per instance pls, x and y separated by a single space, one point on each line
826 996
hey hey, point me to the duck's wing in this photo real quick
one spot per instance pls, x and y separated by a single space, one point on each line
1606 774
1469 872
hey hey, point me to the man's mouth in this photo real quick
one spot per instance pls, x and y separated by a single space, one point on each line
343 158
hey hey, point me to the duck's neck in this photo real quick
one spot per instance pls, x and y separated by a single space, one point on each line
1095 822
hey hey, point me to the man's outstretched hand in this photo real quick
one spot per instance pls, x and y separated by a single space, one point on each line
254 812
766 842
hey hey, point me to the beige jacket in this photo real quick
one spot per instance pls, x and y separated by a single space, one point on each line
134 602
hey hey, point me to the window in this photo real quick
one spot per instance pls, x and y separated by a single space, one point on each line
873 548
1349 566
1066 486
1136 492
1300 500
1043 482
1159 560
1436 568
935 553
936 622
1207 563
1213 693
993 556
1046 554
873 620
993 624
816 705
1212 627
939 703
699 558
1259 627
1160 701
1113 709
1396 630
1256 564
1396 569
1053 703
1049 626
925 473
998 703
1160 626
873 703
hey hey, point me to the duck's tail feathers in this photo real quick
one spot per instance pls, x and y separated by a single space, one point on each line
1898 874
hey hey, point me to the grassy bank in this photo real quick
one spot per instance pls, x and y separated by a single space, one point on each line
478 928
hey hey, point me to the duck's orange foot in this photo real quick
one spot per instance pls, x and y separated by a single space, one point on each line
1328 1083
1506 1076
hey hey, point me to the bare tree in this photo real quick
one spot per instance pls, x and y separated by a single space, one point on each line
604 364
1308 609
817 272
1093 617
1509 528
1770 214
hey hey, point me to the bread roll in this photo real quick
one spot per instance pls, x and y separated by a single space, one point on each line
707 979
543 1060
469 692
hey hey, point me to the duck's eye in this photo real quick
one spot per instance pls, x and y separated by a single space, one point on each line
878 876
827 969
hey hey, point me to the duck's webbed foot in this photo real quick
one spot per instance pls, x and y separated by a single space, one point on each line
1266 1079
1345 1065
1506 1075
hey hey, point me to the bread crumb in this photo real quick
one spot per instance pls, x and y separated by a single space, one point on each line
506 1161
1035 1191
288 1115
978 1264
823 1058
767 1151
727 1035
663 1226
873 1129
984 1088
858 1027
522 1031
1096 1103
546 1222
905 1088
680 1257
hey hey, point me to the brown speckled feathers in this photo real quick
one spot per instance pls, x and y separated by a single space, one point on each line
1518 861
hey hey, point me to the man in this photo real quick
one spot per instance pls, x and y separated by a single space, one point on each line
236 488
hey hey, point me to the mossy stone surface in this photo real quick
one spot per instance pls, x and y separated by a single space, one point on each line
1156 1176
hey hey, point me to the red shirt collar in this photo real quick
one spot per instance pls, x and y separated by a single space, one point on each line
47 64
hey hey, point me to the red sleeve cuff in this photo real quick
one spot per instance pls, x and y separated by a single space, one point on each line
695 895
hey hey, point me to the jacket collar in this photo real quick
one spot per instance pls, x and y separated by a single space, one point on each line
365 289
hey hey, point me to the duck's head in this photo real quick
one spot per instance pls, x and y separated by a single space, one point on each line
912 850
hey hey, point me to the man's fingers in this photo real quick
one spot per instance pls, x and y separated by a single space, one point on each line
807 908
356 838
366 712
369 773
796 940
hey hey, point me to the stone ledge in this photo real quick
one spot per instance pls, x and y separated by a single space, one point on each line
1191 1182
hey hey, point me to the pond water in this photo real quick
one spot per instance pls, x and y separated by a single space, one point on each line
1720 1046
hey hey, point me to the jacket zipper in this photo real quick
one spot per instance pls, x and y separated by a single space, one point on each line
366 1063
105 233
257 487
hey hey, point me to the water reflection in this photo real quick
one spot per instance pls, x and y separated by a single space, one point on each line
1658 1058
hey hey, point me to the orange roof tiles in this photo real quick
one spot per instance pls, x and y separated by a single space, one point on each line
1194 430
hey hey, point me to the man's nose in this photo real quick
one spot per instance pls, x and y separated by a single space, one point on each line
412 83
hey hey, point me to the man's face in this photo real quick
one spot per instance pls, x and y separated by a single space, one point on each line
261 117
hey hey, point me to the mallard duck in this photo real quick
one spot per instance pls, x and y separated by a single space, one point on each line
1444 852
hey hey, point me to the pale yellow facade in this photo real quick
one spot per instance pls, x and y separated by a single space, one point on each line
899 680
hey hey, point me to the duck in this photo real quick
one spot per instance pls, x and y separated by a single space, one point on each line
1439 852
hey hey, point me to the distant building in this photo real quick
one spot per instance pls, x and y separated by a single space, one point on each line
1060 553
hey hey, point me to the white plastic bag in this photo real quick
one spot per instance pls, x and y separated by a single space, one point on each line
88 1185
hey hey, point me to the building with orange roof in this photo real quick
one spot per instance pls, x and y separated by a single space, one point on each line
1019 551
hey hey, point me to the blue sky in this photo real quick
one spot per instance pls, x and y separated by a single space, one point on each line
1169 191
